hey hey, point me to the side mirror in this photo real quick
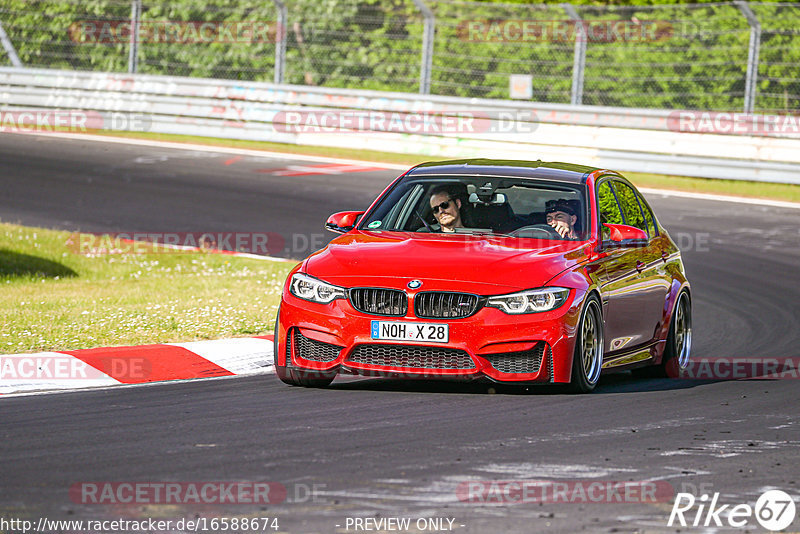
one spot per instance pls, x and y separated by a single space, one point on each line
343 221
622 235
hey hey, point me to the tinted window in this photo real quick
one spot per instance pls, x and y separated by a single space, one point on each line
630 206
607 208
503 205
648 215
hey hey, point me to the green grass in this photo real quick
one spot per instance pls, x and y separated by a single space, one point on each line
786 192
737 188
57 299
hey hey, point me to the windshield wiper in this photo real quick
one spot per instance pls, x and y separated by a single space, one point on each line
480 232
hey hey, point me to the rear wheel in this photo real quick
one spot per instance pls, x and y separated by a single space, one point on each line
679 343
679 339
588 358
297 377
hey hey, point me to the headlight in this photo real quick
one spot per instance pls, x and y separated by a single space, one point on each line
307 288
530 301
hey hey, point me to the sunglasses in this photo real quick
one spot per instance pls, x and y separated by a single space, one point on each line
443 206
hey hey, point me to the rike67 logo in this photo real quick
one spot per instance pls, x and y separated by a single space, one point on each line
774 510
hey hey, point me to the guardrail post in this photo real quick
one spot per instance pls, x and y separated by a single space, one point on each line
579 59
428 30
281 35
9 47
752 55
133 50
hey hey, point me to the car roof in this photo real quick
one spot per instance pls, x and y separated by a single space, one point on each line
555 171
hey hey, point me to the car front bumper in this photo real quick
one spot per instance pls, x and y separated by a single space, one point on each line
336 338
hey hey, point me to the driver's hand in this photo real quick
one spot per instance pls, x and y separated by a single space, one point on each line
562 228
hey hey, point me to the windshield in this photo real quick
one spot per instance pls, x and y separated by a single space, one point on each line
478 205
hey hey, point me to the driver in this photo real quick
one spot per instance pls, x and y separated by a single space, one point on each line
446 209
562 215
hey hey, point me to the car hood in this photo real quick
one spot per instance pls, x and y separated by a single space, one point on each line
479 264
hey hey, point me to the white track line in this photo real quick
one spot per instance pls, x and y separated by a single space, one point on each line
387 166
721 198
219 149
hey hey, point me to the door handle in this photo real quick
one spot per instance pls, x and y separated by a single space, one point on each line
639 266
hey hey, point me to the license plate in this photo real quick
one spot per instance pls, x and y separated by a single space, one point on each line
395 330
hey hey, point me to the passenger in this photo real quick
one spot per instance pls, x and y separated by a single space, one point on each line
562 215
446 209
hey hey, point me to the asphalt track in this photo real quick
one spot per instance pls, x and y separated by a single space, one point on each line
384 448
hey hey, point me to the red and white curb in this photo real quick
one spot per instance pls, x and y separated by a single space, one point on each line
114 366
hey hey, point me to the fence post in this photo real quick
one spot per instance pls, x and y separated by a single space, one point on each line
428 29
752 55
579 59
9 47
281 35
133 50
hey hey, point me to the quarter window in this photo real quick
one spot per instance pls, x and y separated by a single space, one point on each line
630 206
648 215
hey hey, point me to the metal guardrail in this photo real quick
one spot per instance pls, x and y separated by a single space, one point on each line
625 139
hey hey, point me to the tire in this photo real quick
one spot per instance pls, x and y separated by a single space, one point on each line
296 377
679 339
679 343
587 361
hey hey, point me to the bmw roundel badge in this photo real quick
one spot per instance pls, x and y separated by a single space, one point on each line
414 284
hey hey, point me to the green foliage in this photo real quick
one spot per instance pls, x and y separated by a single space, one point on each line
57 299
607 204
630 206
696 59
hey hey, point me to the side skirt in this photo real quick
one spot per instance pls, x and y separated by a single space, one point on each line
629 360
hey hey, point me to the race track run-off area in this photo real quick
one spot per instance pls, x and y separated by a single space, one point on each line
368 454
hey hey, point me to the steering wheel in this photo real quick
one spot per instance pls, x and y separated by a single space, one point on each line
542 231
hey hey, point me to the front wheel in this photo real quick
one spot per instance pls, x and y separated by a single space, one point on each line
588 358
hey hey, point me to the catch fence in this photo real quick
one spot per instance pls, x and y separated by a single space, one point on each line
724 56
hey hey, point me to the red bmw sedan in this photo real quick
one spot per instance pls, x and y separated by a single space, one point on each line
520 272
